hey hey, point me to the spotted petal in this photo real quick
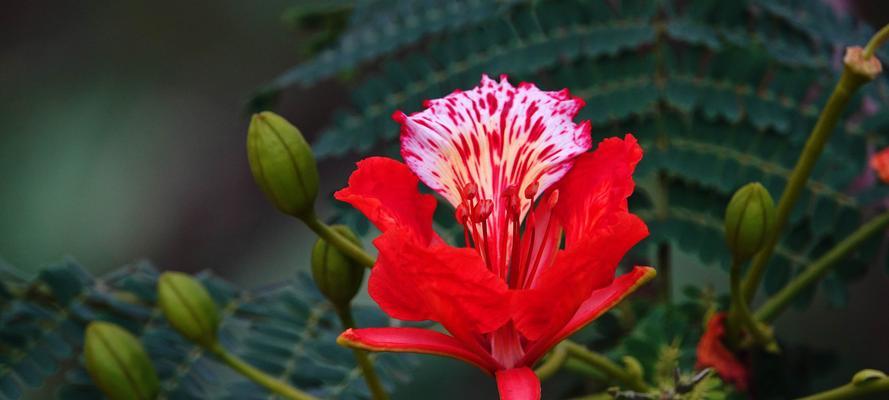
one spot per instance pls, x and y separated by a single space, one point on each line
494 136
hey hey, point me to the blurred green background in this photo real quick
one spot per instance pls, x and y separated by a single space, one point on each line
123 135
123 129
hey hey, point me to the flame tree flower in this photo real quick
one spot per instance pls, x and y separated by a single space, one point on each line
711 352
880 163
518 172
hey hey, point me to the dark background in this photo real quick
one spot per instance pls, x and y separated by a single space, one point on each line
123 130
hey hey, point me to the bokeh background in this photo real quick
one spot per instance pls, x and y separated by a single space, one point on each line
122 130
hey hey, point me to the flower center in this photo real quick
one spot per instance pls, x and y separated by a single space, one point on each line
490 231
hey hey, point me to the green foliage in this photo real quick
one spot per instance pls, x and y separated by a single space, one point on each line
287 330
719 93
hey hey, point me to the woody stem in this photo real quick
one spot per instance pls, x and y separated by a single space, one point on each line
339 241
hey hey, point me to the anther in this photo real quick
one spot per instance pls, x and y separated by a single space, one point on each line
509 191
482 210
554 198
531 190
461 214
470 190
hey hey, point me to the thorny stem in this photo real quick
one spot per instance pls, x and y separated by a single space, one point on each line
854 389
255 375
364 362
605 365
777 303
827 121
339 241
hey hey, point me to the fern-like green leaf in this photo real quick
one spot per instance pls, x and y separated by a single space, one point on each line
286 330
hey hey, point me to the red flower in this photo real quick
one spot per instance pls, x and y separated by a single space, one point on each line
511 293
880 163
712 353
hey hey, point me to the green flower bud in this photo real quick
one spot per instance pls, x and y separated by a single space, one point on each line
188 307
282 163
336 274
749 220
118 364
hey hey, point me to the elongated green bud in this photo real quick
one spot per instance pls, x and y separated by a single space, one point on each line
282 164
188 307
118 364
337 275
749 220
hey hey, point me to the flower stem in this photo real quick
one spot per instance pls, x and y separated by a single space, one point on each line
367 368
849 82
553 362
605 365
740 314
774 305
255 375
876 41
339 241
854 389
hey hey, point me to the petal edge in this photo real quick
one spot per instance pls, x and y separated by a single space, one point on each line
414 340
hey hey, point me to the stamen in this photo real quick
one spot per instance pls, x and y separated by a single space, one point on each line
531 190
482 210
532 270
480 213
530 232
462 216
470 190
507 195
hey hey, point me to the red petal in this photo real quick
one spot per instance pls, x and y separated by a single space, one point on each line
597 187
880 163
600 301
518 384
440 283
414 340
385 191
712 353
589 264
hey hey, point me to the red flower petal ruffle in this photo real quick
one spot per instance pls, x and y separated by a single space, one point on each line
599 302
589 265
385 191
597 187
712 353
880 163
440 283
